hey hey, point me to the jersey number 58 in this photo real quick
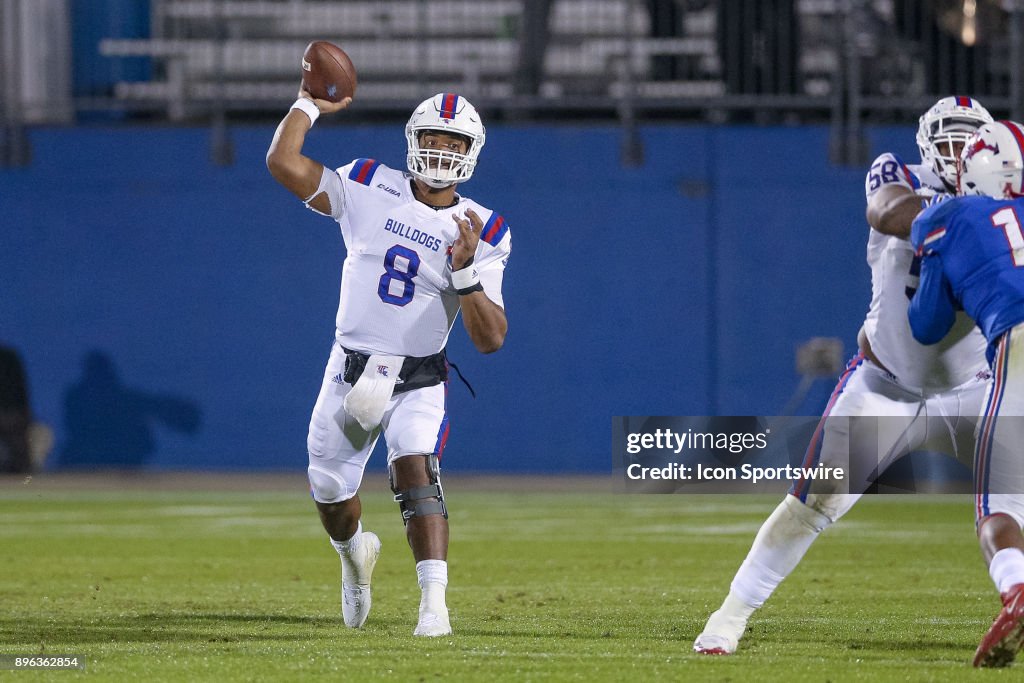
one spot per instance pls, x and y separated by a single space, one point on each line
882 172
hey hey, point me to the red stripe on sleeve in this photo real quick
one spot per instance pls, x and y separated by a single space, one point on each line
494 229
364 171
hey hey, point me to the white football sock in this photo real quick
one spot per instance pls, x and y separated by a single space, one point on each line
781 543
351 545
432 576
1007 568
733 607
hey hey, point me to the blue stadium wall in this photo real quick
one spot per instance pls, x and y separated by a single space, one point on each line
203 298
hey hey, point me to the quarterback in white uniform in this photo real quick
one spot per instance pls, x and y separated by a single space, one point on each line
896 395
417 254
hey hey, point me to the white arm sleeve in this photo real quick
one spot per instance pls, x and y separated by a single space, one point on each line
330 183
491 267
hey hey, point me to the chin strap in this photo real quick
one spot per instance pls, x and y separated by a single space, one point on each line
419 197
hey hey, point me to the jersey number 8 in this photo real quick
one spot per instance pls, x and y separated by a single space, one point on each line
405 276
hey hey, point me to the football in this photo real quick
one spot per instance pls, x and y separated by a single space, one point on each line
327 72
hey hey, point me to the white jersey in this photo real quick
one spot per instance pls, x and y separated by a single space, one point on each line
894 277
397 296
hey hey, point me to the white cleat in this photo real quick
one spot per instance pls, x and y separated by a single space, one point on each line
356 572
721 635
433 624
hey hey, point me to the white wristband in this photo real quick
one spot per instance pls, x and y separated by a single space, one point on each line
465 278
309 108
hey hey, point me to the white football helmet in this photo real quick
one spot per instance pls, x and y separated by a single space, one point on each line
445 113
992 162
950 121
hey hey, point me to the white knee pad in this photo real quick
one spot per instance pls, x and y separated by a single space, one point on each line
328 487
819 511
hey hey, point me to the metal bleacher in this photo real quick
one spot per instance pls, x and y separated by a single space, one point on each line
246 52
839 60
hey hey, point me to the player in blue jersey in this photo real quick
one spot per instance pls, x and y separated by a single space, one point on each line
972 252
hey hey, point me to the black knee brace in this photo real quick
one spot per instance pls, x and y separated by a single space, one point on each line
422 500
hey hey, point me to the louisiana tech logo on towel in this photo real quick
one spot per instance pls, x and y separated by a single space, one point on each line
382 370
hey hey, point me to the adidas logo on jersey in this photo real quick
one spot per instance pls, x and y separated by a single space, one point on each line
338 379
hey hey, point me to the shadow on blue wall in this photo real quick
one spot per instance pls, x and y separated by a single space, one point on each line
110 424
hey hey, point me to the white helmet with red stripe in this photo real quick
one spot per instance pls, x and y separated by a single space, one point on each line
445 113
993 161
942 131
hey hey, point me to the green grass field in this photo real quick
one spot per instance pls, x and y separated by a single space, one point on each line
587 585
